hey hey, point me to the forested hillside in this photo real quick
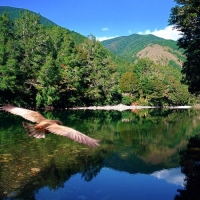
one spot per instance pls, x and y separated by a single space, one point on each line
50 66
133 47
43 67
15 13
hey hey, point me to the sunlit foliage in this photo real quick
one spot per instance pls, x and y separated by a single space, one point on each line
51 67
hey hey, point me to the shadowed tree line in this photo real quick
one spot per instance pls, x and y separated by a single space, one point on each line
185 18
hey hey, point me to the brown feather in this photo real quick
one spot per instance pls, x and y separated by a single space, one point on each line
53 126
73 134
25 113
32 131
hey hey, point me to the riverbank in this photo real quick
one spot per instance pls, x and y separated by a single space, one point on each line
121 107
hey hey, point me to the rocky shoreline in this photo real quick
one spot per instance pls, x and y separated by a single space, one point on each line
121 107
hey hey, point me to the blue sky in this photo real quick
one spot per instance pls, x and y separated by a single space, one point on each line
105 18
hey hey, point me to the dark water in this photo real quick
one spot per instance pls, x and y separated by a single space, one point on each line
144 154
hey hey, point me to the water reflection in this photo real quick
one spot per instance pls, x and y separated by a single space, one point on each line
112 185
173 176
135 146
190 166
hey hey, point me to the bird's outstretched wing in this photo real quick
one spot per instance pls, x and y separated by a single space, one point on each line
30 115
73 134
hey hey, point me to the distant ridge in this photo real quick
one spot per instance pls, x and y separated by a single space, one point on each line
15 13
135 46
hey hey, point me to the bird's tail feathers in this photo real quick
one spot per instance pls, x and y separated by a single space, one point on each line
32 131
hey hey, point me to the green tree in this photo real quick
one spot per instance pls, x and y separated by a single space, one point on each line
143 67
128 82
48 83
6 33
185 18
8 60
154 91
24 50
42 66
32 42
160 85
66 58
99 78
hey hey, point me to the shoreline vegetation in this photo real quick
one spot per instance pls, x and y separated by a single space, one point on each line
121 107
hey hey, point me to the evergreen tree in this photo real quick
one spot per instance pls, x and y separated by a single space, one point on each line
48 83
99 78
8 60
66 58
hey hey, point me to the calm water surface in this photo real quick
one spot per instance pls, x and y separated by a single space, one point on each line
144 154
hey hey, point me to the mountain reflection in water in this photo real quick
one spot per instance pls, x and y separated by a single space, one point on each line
138 157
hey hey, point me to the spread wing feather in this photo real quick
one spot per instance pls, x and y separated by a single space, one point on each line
73 134
25 113
54 128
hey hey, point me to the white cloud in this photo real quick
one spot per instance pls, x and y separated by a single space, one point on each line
105 29
105 38
166 33
173 176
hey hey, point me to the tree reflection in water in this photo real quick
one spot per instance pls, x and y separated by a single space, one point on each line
190 166
54 176
142 142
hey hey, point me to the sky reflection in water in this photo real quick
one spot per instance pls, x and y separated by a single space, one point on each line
113 185
173 176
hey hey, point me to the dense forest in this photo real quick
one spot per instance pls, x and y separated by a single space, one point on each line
50 66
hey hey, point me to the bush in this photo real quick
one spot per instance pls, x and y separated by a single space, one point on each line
126 100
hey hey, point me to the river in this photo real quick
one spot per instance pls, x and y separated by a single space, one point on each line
144 154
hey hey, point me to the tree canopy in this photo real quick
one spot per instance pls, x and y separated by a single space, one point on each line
43 66
47 67
185 18
153 84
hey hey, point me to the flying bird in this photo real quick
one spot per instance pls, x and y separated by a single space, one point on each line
44 126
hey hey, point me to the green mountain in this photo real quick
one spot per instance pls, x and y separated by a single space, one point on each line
161 51
15 13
